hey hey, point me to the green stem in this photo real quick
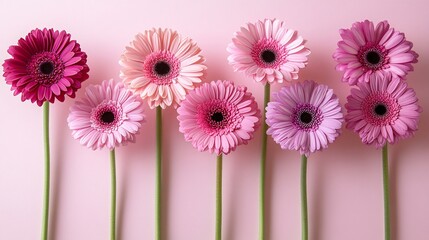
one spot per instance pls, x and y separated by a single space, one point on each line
304 210
219 197
386 193
45 221
158 173
262 167
113 196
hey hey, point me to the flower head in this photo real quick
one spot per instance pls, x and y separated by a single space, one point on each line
305 117
268 52
45 66
109 116
162 66
218 117
382 110
367 50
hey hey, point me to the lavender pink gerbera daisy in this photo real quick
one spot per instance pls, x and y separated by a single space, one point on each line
305 117
45 65
367 50
267 51
382 110
108 116
218 116
161 66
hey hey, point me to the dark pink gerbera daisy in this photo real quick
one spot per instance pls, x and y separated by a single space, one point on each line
366 50
382 110
45 66
218 117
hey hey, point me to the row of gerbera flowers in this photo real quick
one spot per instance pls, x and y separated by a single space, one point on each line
163 68
215 117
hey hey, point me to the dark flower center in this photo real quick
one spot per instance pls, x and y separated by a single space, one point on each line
306 117
380 109
268 56
373 57
107 117
162 68
217 117
46 68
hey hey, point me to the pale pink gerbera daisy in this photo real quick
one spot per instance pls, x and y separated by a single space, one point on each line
109 116
366 50
268 52
305 117
382 110
162 66
45 66
218 117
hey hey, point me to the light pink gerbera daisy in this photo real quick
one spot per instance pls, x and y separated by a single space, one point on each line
109 116
382 110
304 116
45 66
268 52
162 66
366 50
218 117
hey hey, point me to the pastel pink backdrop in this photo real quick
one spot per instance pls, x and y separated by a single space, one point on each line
345 191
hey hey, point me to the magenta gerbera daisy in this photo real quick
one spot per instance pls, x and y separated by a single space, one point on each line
305 117
45 66
267 51
109 116
382 110
162 66
367 50
218 116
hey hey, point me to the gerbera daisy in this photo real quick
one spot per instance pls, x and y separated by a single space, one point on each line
268 52
305 116
162 66
218 117
366 50
45 66
382 110
109 116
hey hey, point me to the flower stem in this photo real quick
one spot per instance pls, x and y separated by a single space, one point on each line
304 210
113 196
47 171
262 167
386 193
158 173
219 197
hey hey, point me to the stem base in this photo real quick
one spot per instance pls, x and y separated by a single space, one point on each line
386 193
304 208
158 173
46 190
219 198
113 196
262 167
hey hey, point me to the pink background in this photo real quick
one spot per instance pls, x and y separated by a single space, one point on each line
345 191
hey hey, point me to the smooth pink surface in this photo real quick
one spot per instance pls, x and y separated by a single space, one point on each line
345 191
